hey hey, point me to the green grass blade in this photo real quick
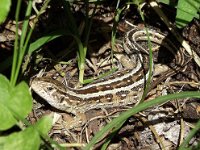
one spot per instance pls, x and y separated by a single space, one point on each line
25 24
51 36
114 132
82 52
190 136
42 41
22 46
16 44
138 108
147 86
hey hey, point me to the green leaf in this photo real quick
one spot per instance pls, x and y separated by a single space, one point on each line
6 118
186 11
5 87
29 139
44 125
20 101
4 9
15 102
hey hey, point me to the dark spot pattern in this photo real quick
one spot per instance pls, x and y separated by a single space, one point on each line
122 94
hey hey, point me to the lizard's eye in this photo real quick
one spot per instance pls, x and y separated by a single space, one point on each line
49 88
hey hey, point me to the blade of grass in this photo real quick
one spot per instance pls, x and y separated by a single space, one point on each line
25 24
82 48
190 136
114 28
22 48
72 25
43 40
138 108
114 132
82 52
147 86
16 44
26 44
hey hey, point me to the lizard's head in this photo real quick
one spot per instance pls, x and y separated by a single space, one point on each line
51 91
